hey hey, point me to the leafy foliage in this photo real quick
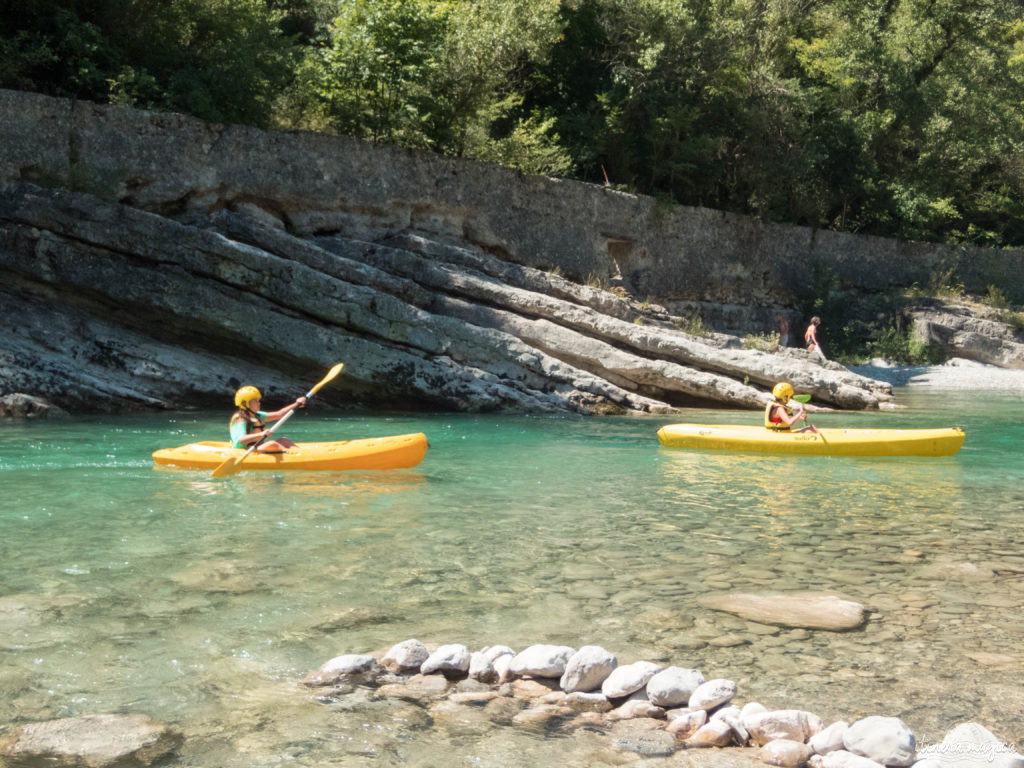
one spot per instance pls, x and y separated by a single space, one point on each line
891 117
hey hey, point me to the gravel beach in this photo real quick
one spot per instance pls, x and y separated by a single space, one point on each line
957 373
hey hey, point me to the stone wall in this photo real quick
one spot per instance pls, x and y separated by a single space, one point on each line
315 185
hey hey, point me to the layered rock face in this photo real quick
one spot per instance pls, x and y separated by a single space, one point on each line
111 307
159 261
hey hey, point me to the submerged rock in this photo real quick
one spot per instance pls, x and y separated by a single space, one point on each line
91 741
808 610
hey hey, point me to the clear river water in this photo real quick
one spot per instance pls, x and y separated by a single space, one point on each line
203 603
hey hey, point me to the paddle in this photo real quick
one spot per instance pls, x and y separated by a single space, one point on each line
234 465
802 398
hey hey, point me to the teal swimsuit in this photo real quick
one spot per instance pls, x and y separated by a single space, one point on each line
240 428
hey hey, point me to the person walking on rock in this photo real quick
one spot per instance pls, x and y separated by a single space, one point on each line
811 337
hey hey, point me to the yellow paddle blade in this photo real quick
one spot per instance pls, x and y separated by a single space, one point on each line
330 375
230 467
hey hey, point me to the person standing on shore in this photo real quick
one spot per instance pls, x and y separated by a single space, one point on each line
784 337
811 337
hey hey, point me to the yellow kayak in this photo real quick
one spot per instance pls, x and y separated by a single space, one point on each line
826 442
397 452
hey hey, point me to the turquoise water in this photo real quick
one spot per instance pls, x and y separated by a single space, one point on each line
203 602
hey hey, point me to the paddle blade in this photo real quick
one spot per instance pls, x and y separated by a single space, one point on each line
230 467
802 398
330 375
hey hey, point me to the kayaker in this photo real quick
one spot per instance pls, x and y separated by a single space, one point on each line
249 424
779 415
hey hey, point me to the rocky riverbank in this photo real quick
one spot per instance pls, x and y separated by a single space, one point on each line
113 308
639 709
638 713
957 373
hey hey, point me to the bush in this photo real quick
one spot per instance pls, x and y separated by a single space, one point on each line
900 347
766 342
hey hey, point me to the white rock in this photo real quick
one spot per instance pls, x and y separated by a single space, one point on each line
448 658
886 740
673 686
542 660
971 745
628 679
830 739
346 668
712 693
503 667
843 759
752 708
724 713
636 708
406 657
731 715
587 669
481 663
792 724
785 753
683 726
715 733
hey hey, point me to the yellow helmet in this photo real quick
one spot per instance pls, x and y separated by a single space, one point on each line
783 391
245 395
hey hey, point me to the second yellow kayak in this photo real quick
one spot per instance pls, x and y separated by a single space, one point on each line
395 452
825 442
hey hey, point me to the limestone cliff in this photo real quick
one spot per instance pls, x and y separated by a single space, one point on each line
108 306
153 260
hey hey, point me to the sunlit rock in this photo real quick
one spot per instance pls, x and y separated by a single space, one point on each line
785 753
452 659
348 668
629 679
542 661
791 724
808 610
587 669
829 739
886 740
95 741
673 686
406 657
712 693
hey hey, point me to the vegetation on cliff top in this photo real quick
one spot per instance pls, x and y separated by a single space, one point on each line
895 117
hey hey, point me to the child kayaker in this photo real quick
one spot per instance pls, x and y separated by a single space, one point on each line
779 414
249 424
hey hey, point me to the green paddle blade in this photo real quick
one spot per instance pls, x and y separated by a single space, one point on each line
802 398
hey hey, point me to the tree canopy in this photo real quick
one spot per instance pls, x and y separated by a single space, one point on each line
892 117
